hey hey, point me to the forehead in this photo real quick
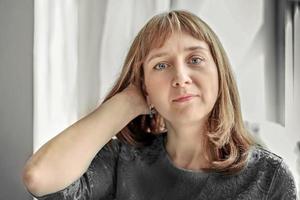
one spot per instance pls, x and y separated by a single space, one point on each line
178 41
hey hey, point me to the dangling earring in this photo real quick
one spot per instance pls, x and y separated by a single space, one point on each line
152 111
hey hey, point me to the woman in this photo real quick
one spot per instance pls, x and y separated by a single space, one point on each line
192 145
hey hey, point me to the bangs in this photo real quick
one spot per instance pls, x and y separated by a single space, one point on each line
162 26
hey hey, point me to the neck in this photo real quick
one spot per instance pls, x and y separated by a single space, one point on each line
185 146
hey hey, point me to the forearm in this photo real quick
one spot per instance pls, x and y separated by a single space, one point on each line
67 156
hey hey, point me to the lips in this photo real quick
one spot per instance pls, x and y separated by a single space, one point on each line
184 97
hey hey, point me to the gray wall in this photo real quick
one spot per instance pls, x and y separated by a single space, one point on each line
16 92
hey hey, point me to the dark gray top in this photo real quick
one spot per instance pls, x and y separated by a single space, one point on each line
124 172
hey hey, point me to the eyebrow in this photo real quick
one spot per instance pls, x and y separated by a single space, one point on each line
192 48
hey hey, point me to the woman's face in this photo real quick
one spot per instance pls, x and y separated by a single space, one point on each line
183 66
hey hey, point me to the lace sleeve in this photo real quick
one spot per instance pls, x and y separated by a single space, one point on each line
98 182
283 184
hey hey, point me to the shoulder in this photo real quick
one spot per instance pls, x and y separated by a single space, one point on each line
263 162
112 147
273 175
107 155
148 152
264 159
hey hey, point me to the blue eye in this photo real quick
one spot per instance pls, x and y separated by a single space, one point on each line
160 66
196 60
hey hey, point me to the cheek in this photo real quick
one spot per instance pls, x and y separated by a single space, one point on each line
155 84
152 88
157 91
214 87
209 84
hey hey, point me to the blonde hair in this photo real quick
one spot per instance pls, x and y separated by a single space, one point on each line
227 141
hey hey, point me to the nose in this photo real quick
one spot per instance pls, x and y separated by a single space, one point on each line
182 77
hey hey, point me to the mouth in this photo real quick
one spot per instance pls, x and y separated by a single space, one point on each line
184 98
